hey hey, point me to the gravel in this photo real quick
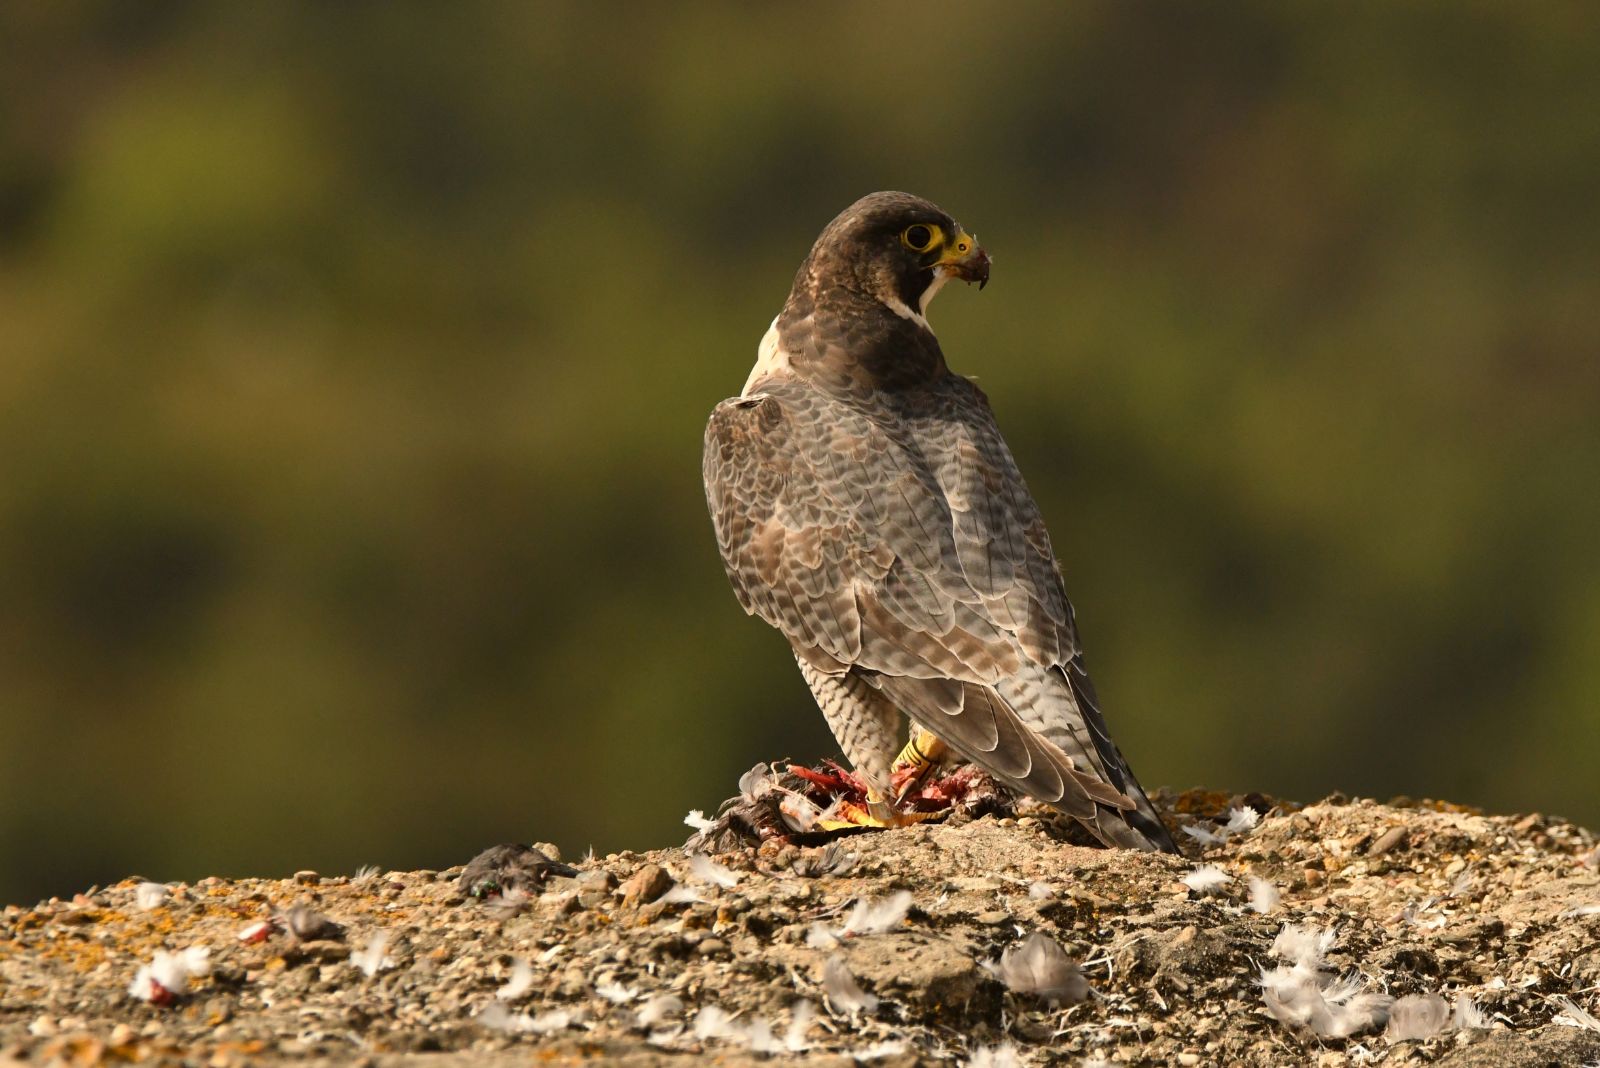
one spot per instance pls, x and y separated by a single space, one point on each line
1018 945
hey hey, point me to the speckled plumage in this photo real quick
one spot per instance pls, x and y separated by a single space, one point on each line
867 506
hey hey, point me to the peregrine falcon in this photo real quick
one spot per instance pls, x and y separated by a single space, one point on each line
867 507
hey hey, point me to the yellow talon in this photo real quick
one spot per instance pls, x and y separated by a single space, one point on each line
855 816
876 812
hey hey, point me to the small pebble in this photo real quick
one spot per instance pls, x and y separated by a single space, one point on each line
1387 841
307 877
645 885
598 879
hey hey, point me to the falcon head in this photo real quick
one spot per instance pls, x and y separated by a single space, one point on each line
895 248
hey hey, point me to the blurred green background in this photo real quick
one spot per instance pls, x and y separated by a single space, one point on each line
354 359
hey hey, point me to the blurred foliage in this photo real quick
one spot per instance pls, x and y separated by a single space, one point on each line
354 359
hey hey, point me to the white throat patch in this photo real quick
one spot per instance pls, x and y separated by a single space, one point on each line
941 275
900 308
769 358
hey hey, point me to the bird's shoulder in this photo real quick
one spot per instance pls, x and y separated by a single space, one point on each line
787 412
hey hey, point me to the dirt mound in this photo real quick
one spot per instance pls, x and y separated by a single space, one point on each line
1417 934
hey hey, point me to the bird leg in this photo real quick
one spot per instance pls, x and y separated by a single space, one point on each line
910 769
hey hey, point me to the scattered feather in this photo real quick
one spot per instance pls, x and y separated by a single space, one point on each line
680 894
1416 1017
616 993
306 924
868 917
1342 988
800 1018
520 983
878 1051
1241 820
1002 1056
707 870
799 812
1042 968
757 782
1203 835
1580 910
876 917
830 860
510 901
495 1015
149 895
372 959
713 1021
758 1035
1263 895
1303 1000
1412 914
821 936
659 1008
698 821
1304 996
844 993
366 874
498 1017
1207 879
1573 1016
167 976
1305 945
1467 1016
555 1020
1040 892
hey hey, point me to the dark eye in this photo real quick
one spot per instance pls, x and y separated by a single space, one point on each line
918 238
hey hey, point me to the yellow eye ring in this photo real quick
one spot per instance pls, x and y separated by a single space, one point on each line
920 238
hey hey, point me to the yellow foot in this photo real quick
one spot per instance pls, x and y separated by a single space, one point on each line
848 815
915 761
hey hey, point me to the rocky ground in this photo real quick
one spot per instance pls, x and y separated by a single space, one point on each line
995 940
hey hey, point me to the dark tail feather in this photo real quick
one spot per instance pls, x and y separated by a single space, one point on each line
1140 828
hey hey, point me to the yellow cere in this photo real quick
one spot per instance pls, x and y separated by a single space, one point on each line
963 244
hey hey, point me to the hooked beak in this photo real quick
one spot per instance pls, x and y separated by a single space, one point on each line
965 259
